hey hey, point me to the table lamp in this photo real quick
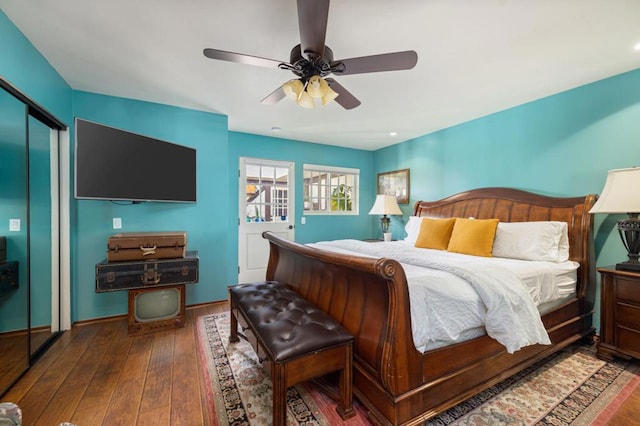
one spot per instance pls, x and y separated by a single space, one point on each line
621 194
385 205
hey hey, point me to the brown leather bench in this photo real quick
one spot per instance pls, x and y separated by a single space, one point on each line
293 339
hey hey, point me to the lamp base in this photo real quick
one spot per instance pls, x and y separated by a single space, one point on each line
384 224
628 266
629 230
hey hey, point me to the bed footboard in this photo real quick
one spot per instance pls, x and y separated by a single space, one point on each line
369 297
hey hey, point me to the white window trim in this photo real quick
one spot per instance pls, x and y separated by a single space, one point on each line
333 169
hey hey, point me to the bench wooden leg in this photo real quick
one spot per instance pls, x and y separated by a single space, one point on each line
233 328
279 390
345 405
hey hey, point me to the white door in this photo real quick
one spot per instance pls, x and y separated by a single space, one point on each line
266 194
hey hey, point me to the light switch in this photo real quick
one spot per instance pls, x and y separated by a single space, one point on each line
303 220
14 225
117 223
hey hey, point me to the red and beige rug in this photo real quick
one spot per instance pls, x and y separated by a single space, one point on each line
572 387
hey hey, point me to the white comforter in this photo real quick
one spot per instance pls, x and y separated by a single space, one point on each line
507 308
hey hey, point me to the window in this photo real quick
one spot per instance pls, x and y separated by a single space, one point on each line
267 193
330 190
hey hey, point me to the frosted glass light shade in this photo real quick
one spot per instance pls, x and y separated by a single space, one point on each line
621 192
305 100
329 95
305 94
293 88
317 87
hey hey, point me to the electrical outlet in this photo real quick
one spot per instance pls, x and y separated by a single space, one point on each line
117 223
14 225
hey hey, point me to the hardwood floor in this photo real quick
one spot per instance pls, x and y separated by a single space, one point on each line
96 374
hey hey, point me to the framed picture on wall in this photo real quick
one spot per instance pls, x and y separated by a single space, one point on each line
395 183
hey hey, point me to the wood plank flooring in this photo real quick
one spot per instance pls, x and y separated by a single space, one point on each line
96 374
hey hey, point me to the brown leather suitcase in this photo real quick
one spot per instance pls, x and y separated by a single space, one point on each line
146 245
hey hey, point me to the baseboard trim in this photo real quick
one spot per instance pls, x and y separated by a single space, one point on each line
125 316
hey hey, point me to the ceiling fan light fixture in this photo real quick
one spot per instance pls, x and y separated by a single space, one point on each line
317 87
329 95
293 89
305 100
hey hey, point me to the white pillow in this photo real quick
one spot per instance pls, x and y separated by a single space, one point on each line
412 229
563 247
547 241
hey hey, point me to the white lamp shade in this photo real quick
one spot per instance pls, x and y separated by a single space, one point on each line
621 193
385 204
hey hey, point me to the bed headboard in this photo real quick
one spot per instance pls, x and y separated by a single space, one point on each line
513 205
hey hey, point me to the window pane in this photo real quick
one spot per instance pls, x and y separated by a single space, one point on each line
330 191
267 193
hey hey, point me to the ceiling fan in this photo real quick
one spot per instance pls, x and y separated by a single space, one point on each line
311 61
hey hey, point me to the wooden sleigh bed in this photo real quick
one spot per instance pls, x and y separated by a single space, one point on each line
370 298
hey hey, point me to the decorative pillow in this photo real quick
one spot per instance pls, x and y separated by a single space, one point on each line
473 236
547 241
412 228
435 233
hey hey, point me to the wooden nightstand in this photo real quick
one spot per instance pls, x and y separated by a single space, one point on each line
619 314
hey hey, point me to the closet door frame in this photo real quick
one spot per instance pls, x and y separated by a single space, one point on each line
63 202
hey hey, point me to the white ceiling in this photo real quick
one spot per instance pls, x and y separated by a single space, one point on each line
475 57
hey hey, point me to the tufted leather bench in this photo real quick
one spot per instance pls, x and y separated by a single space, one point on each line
293 339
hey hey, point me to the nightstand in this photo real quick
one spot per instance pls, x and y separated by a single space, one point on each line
619 314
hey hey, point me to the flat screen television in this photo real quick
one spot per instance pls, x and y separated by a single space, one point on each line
113 164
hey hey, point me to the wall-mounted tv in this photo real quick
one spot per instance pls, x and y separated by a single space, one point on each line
113 164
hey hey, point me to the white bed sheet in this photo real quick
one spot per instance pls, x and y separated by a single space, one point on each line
445 308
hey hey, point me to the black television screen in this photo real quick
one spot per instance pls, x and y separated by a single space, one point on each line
112 164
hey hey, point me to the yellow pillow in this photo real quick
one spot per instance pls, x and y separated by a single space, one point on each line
435 233
473 236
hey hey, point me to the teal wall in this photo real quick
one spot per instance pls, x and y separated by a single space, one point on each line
211 223
26 69
205 221
562 145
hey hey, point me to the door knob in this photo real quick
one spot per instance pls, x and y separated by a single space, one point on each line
290 226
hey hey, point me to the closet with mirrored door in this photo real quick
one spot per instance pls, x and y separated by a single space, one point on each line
29 232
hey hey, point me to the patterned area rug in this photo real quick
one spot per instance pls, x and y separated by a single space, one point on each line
571 387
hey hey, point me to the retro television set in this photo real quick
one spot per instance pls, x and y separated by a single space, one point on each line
113 164
156 308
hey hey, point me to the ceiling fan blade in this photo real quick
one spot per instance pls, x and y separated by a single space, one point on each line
312 21
241 58
274 97
376 63
345 98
